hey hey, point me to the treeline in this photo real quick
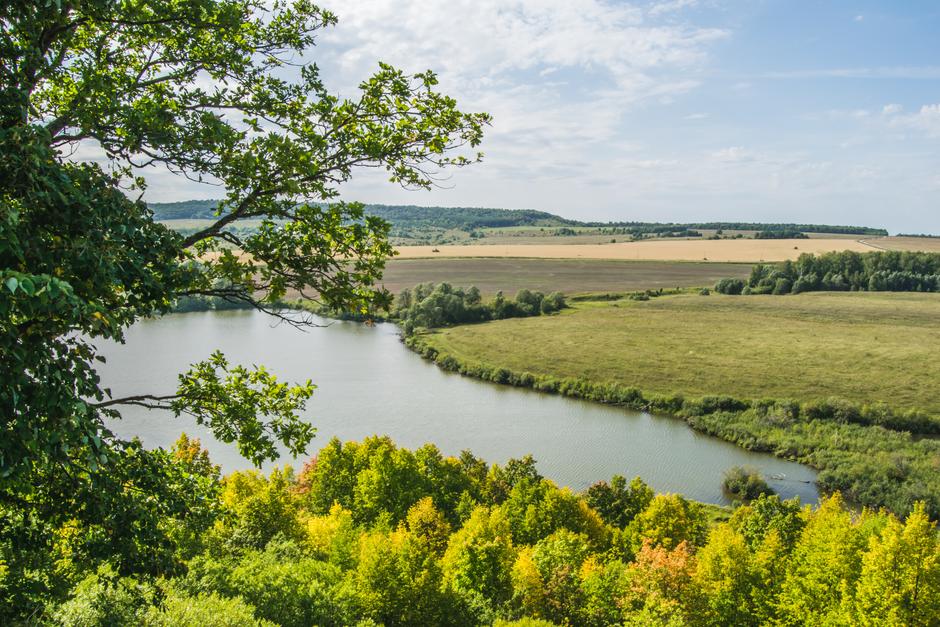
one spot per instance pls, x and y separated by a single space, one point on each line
430 306
882 271
781 234
883 457
372 534
405 217
750 226
188 304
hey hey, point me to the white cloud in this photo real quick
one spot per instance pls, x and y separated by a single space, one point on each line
927 120
558 76
859 18
733 154
671 6
891 109
696 116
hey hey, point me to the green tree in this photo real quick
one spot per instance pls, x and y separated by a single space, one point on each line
198 88
667 521
900 577
618 503
724 575
399 581
548 577
479 558
824 566
203 610
260 509
536 509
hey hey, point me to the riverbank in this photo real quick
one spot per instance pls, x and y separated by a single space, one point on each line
875 454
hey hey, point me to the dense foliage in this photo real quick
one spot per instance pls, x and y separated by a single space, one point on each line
882 271
369 533
431 306
213 90
874 455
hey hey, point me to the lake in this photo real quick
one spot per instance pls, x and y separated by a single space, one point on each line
369 383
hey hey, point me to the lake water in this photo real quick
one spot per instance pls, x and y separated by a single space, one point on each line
369 383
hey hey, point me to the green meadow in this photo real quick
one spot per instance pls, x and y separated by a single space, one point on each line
862 347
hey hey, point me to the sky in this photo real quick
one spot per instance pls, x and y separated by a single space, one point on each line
666 110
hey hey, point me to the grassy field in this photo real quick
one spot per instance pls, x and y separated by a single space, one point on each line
566 275
863 347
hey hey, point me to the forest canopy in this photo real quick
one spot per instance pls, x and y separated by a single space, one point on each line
370 533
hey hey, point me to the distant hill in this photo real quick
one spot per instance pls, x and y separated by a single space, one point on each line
464 218
403 217
185 210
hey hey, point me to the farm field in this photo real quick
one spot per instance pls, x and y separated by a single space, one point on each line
863 347
925 244
570 276
731 250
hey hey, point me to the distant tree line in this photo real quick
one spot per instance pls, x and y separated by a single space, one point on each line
781 234
404 217
882 271
430 306
749 226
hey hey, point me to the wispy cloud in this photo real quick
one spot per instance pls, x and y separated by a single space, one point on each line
926 120
733 154
671 6
930 72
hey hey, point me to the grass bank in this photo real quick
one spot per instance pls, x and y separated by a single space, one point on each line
861 366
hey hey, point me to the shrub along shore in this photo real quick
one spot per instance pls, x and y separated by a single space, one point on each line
875 456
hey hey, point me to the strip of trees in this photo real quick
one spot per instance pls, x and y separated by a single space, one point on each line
430 305
882 271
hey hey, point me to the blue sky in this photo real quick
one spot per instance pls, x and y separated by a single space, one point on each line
680 110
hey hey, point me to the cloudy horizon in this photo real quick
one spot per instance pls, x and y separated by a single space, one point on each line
670 111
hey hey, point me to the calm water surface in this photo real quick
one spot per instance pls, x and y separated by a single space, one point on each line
369 383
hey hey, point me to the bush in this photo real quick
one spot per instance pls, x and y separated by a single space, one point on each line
729 286
746 484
